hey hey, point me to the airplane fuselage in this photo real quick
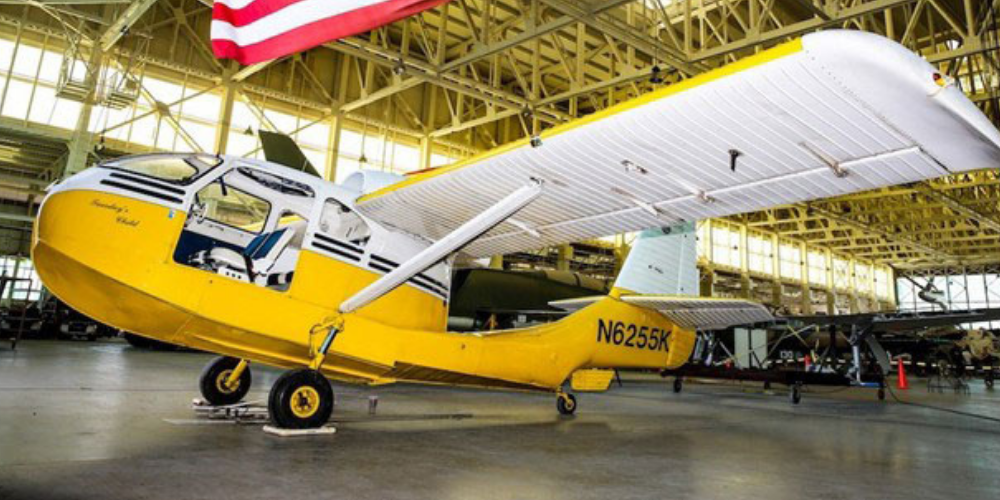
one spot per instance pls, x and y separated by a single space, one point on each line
140 253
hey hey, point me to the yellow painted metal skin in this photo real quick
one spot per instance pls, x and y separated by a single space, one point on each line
593 380
111 258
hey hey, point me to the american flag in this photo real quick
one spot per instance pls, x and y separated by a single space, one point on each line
252 31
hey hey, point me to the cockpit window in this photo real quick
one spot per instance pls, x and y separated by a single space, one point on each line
170 168
231 206
343 224
279 184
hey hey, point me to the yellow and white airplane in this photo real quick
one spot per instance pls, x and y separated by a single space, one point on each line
350 282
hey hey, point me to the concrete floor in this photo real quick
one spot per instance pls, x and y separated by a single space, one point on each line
89 420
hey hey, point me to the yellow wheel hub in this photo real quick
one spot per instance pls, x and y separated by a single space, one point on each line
222 386
305 402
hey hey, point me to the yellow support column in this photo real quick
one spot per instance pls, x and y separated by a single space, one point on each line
565 258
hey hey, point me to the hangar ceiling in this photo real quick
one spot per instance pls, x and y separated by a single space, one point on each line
473 74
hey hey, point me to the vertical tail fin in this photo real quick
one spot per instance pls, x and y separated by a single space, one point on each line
282 149
662 261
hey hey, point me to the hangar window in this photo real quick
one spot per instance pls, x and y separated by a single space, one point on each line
790 261
863 278
760 254
883 283
817 268
726 246
841 273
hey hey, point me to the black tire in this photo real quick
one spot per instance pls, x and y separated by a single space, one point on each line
796 394
213 378
678 385
566 404
881 394
767 386
301 399
989 382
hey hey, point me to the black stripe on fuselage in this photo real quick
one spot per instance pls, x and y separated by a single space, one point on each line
383 265
342 244
336 251
384 261
144 191
147 182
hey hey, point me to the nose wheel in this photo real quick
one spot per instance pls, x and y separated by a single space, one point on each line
301 399
566 403
225 381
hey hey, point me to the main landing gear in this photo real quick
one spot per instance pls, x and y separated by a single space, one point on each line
225 381
301 399
795 393
565 403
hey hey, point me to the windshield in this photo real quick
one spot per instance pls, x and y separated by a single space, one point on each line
171 168
279 184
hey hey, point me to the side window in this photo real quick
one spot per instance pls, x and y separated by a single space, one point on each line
341 223
222 203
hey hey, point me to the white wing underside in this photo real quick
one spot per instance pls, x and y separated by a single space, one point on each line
844 101
688 312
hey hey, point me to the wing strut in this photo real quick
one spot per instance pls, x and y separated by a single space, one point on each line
449 244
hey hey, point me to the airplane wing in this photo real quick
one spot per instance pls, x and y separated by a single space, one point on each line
688 312
902 322
835 112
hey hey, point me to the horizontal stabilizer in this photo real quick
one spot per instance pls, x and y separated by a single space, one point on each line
688 312
573 305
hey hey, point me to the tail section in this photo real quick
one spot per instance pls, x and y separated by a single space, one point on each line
282 149
662 261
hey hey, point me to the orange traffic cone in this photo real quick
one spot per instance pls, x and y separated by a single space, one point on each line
901 378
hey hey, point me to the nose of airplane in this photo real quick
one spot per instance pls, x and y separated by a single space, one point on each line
98 252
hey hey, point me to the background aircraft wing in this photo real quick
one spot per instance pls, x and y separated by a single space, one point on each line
833 113
902 322
688 312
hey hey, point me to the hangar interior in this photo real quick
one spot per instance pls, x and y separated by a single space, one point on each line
471 76
82 81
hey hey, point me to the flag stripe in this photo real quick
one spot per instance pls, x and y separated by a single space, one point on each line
289 18
260 30
237 4
310 10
